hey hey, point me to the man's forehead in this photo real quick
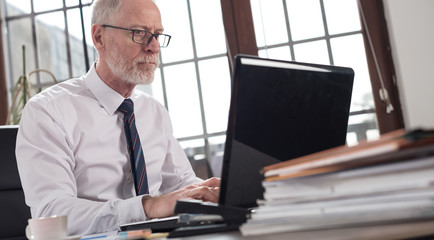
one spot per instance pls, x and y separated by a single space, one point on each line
140 13
142 10
139 6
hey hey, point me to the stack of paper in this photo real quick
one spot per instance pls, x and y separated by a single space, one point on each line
388 182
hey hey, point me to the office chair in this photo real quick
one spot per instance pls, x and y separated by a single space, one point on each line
13 210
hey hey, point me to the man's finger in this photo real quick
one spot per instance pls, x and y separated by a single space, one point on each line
211 182
205 194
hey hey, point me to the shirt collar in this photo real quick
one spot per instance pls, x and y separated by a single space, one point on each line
108 98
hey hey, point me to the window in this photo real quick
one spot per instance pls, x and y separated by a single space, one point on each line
324 32
193 80
51 32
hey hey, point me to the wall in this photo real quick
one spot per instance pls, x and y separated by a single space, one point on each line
411 31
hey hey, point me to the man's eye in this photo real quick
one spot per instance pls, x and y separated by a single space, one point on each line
139 32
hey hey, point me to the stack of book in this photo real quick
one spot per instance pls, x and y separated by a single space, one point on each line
376 189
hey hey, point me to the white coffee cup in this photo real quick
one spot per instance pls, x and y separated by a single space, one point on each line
47 228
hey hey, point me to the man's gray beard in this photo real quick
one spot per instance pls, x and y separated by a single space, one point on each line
131 74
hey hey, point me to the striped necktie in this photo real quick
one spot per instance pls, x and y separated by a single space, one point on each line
137 159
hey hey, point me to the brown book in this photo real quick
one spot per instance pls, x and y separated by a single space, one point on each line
365 153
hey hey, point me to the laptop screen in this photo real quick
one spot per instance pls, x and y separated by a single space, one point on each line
280 110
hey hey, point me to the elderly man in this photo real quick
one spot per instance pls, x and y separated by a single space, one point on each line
96 149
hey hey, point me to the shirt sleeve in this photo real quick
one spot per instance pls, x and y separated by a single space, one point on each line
45 161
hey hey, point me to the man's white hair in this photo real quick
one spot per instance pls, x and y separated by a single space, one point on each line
105 11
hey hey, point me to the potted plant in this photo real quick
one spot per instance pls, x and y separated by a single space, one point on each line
23 91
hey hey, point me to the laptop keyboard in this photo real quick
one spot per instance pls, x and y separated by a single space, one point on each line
194 217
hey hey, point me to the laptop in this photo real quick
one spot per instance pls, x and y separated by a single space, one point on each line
279 110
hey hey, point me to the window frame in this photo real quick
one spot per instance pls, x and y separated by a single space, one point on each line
240 37
3 86
380 63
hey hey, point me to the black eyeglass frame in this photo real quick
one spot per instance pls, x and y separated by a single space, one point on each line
153 35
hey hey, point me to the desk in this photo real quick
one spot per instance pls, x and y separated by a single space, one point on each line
398 231
392 231
214 236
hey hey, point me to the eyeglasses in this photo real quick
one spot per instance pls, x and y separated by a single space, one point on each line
144 37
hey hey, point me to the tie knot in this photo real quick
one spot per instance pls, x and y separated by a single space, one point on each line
127 106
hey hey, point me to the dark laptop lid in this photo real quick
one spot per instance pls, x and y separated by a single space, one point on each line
280 110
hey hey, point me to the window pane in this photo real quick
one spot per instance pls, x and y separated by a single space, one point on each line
76 43
145 88
305 19
17 7
342 16
183 99
51 44
19 35
87 14
209 40
269 22
44 5
362 127
216 92
71 3
282 53
312 52
155 89
176 23
350 52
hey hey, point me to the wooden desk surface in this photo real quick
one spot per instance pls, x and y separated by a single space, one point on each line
392 231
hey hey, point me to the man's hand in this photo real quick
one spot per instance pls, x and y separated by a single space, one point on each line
164 205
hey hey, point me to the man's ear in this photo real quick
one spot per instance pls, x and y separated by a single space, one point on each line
97 36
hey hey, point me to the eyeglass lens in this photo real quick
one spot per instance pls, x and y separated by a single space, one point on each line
144 37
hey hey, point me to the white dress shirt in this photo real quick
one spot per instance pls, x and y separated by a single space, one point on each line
73 159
